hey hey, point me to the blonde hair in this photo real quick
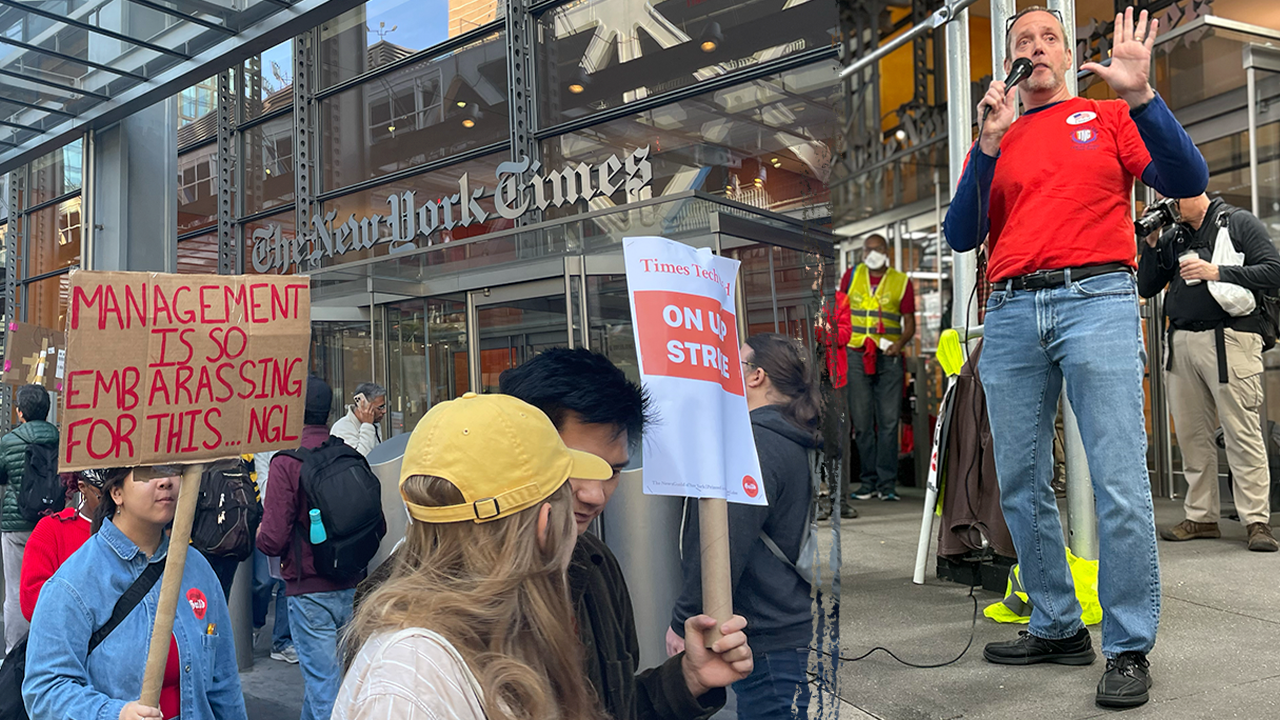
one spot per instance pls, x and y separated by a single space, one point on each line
497 595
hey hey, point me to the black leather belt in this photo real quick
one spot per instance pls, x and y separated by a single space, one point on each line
1057 278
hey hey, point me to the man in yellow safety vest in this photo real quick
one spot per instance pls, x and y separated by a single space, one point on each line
882 310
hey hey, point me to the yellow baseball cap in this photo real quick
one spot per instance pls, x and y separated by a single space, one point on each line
504 454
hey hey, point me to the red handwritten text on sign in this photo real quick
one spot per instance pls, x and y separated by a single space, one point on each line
181 368
688 336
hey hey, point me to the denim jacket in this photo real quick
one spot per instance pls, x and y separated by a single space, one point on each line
78 600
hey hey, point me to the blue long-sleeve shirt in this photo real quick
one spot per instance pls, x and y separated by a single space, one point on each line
1176 170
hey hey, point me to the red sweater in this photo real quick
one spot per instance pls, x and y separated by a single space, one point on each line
52 541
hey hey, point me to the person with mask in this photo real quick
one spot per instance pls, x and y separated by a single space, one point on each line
882 310
57 536
768 591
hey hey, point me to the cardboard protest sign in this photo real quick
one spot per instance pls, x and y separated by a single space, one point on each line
182 368
683 312
34 355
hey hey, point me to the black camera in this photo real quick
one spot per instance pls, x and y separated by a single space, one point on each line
1158 214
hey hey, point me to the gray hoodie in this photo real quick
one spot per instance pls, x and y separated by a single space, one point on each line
770 595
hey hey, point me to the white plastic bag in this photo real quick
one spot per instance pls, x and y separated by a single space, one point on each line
1236 300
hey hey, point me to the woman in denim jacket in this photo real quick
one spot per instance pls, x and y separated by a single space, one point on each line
201 680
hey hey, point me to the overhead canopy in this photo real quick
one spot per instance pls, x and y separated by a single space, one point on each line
67 66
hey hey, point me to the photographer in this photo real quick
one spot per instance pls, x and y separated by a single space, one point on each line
1064 306
1214 360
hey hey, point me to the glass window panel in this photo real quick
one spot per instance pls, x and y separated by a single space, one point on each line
268 81
197 191
383 31
198 255
431 186
423 112
342 355
57 173
46 304
269 166
766 143
198 112
599 54
54 240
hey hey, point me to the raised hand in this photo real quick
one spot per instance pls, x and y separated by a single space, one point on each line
1130 59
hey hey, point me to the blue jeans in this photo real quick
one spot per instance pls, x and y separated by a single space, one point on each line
316 620
264 586
1087 333
779 681
875 404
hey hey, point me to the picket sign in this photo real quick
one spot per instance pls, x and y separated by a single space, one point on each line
166 369
685 320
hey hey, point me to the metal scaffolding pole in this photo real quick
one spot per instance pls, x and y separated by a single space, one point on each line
959 137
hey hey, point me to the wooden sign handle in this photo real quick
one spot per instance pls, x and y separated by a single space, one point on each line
171 586
717 584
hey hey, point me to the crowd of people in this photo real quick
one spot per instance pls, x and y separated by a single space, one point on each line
501 603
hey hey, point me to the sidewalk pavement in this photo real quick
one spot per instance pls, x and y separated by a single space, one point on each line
1217 655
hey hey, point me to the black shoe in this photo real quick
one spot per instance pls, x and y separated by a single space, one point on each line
1029 649
848 512
1125 683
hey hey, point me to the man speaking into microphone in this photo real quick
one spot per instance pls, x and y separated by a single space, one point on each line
1051 192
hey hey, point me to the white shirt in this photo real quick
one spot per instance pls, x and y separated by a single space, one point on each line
412 674
361 436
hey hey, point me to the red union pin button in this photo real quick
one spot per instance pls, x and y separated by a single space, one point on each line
750 486
198 603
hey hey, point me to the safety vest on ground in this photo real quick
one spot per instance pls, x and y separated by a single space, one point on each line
876 315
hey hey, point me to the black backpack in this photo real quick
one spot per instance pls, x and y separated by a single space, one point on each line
42 490
228 511
338 482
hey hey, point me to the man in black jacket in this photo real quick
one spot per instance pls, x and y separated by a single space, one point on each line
1215 361
597 410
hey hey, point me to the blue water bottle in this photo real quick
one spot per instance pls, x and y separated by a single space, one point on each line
317 528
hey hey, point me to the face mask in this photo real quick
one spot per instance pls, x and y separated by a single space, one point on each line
876 260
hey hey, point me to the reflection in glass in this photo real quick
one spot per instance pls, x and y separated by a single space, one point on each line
598 54
198 255
426 111
198 112
268 81
47 301
269 166
197 195
609 322
57 173
512 332
54 237
766 143
342 355
383 31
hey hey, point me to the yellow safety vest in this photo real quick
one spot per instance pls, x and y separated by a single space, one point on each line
876 315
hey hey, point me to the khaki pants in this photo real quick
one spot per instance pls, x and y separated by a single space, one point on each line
1195 398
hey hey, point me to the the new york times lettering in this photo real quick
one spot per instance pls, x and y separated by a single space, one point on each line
410 216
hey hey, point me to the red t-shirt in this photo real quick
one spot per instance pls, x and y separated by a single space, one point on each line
1061 193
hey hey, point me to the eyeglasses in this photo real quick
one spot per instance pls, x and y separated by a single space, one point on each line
153 472
1008 25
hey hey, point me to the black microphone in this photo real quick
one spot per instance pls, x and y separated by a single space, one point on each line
1020 71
